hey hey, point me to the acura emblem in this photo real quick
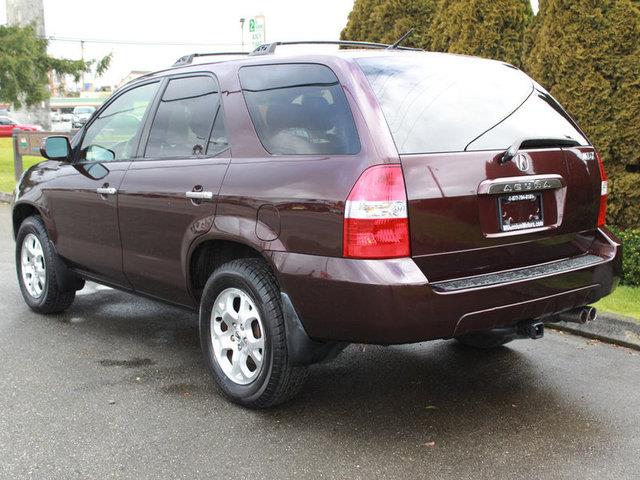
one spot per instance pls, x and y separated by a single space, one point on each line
522 162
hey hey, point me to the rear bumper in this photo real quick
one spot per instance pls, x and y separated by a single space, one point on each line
391 301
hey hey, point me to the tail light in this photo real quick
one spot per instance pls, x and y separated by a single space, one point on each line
375 217
604 190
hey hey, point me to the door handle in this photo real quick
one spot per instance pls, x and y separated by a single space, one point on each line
106 191
199 195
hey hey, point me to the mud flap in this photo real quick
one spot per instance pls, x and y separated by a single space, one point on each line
303 350
67 280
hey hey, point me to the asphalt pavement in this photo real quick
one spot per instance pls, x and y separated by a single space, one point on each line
116 388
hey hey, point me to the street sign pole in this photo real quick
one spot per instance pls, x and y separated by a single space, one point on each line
17 156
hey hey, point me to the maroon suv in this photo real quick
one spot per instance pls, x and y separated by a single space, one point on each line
304 202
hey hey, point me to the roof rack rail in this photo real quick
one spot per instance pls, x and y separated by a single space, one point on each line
270 48
188 59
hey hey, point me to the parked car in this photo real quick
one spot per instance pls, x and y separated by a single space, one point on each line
55 116
8 125
66 117
81 115
300 203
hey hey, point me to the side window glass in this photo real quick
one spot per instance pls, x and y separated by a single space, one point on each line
114 134
299 109
218 141
189 121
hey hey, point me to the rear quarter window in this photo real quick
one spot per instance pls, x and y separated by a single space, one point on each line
299 109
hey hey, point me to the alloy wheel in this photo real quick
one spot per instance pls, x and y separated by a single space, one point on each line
237 336
33 266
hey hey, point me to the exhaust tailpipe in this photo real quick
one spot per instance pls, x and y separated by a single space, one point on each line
533 329
579 315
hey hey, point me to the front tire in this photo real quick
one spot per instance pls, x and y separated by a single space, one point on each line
243 336
36 264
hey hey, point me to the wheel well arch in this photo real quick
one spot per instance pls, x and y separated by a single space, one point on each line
209 255
20 213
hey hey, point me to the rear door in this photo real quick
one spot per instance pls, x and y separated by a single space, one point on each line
470 212
168 196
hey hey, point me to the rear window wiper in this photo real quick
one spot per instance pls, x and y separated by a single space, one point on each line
524 143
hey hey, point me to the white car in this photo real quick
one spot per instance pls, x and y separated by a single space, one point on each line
81 115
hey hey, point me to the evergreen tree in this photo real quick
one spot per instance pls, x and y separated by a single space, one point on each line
494 29
359 25
386 21
587 54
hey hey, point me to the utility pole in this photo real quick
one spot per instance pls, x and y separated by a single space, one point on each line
82 58
242 33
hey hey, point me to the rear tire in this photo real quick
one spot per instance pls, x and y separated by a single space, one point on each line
243 336
483 340
36 265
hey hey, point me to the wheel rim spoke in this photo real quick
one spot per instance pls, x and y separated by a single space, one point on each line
237 336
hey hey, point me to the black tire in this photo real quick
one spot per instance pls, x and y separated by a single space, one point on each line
277 380
483 340
52 299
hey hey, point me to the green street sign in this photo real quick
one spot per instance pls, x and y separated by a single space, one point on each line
252 25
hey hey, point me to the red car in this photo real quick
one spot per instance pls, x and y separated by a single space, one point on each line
7 125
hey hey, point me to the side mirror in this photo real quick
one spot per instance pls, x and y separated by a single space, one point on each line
56 148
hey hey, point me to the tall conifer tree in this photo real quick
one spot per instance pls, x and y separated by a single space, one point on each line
587 54
491 29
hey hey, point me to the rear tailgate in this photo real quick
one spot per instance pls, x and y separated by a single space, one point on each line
455 215
470 213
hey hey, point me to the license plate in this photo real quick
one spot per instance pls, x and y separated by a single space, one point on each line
520 211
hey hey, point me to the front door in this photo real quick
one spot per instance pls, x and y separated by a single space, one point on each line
167 198
83 197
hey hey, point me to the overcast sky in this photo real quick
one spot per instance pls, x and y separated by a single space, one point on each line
200 25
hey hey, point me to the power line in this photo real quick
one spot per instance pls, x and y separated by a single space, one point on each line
53 38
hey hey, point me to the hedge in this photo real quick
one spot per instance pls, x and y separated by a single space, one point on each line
630 255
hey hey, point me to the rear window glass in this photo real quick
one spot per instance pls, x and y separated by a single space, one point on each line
539 118
299 109
446 103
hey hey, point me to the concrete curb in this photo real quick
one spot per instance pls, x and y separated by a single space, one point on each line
6 197
608 327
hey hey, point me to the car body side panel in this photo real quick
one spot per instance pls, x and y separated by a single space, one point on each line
29 193
306 192
86 231
158 222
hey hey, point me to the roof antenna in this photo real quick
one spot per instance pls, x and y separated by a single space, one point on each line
400 40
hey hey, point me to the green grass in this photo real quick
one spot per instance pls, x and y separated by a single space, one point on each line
623 301
7 179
